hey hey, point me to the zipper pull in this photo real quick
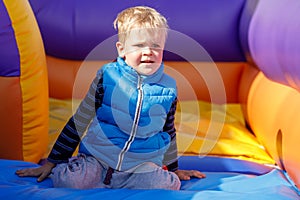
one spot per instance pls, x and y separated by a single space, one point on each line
139 83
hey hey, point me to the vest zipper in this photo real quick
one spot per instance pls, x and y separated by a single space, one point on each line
134 125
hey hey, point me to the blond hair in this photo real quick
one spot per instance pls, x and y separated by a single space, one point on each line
139 17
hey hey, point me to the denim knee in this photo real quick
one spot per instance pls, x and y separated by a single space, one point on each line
80 172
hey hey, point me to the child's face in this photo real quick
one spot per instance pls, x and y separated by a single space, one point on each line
143 50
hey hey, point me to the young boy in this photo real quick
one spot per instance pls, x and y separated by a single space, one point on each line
129 116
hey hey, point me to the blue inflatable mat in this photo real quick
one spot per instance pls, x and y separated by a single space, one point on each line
226 179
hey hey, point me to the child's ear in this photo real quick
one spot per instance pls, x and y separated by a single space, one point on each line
120 48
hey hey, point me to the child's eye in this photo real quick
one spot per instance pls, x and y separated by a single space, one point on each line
139 45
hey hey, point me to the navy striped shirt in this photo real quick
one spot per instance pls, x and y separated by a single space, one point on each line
71 134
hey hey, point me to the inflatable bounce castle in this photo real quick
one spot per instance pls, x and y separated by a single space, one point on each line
237 68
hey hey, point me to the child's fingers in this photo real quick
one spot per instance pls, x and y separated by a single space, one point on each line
42 177
28 172
21 172
197 174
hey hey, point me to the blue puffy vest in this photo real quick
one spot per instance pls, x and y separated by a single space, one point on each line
127 129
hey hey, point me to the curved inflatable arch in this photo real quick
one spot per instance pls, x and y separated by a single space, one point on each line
274 98
23 84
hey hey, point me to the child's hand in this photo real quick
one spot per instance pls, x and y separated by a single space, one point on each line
41 172
187 174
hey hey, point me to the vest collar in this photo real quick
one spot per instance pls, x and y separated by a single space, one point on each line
132 74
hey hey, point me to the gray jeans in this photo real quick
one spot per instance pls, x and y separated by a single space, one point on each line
86 172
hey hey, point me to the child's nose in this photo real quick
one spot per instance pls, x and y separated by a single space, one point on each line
147 51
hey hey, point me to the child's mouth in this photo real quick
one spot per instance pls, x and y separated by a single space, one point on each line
147 61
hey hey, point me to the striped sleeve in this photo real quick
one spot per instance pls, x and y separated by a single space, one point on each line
170 158
71 134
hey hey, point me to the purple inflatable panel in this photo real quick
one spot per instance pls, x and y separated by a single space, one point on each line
274 40
71 29
9 53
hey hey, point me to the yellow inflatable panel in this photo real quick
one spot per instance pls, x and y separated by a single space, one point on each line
202 129
217 129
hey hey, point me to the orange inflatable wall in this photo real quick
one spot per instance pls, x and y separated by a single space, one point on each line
212 82
273 113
